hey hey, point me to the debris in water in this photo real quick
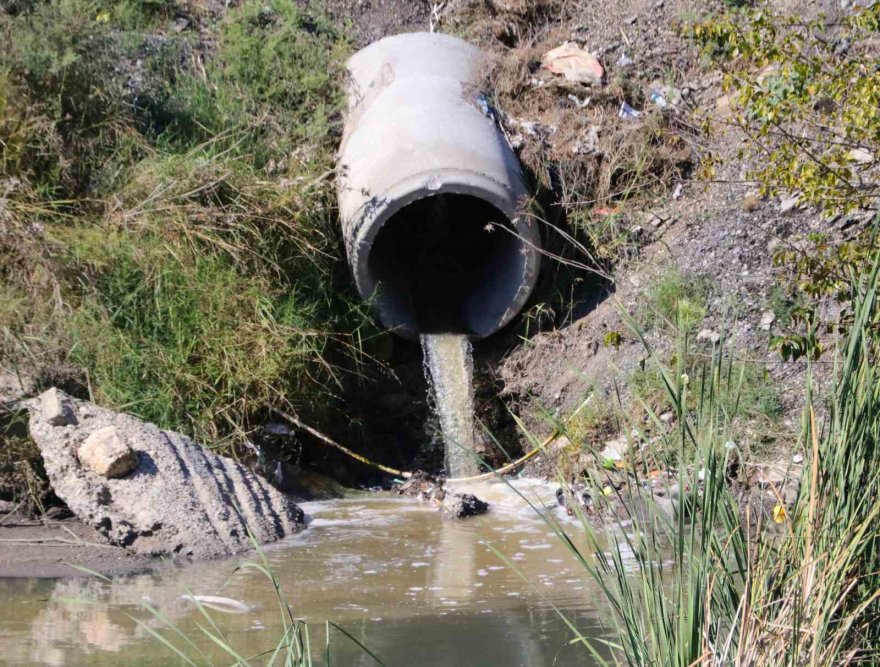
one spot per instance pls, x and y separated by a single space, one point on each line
463 505
221 604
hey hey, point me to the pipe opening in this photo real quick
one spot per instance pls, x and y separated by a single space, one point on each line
442 265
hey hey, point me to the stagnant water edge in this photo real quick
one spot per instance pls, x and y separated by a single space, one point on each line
417 588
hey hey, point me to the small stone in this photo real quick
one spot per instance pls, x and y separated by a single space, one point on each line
797 459
710 335
463 505
767 320
667 417
105 453
56 409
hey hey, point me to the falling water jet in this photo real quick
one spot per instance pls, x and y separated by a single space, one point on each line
449 369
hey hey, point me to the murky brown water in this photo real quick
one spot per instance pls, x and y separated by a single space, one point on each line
417 589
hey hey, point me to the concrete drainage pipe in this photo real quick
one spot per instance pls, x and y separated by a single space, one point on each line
433 202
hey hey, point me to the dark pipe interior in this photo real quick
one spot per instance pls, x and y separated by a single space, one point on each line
444 265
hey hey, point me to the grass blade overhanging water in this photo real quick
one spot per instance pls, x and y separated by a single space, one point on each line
716 582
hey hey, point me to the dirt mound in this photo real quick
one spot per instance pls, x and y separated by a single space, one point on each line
179 500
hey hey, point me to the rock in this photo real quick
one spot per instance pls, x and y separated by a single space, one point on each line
559 444
614 450
667 417
277 428
463 505
181 500
767 319
780 480
708 334
56 409
106 454
664 506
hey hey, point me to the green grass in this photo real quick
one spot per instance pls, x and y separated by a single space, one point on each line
718 579
677 300
170 209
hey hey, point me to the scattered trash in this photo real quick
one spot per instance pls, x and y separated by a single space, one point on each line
767 320
221 604
578 103
574 63
658 99
626 111
676 193
604 210
624 61
665 96
797 458
779 514
789 203
487 109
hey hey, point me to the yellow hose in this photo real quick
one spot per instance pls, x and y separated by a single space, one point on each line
406 475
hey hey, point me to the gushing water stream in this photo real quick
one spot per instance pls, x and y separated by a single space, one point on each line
449 370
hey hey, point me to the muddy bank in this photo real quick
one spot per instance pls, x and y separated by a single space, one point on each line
54 549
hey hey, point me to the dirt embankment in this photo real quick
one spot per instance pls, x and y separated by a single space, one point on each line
714 231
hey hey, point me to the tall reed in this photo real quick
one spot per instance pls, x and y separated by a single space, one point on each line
710 578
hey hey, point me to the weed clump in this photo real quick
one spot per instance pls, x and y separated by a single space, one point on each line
168 216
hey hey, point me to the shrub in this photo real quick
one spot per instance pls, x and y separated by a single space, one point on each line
167 208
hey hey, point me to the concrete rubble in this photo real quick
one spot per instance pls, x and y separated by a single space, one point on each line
154 492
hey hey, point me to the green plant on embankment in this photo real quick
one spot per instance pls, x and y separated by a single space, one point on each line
167 207
806 93
702 579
